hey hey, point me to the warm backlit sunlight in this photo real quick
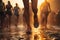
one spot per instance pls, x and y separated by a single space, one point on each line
20 2
40 2
35 31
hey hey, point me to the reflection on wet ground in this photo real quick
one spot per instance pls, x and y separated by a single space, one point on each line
19 32
13 32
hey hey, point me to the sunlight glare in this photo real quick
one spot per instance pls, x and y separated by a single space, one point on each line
20 2
40 2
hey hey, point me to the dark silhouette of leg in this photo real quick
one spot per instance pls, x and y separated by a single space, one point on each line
27 15
34 8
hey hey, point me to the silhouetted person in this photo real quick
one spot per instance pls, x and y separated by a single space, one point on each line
16 12
45 9
9 11
2 15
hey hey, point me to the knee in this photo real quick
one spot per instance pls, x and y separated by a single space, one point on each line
35 10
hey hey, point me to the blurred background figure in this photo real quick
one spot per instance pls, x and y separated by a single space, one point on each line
16 13
44 9
2 16
9 12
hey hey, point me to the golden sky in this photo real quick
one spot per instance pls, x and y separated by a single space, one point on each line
55 4
20 2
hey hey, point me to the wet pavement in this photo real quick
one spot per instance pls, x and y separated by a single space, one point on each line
19 32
